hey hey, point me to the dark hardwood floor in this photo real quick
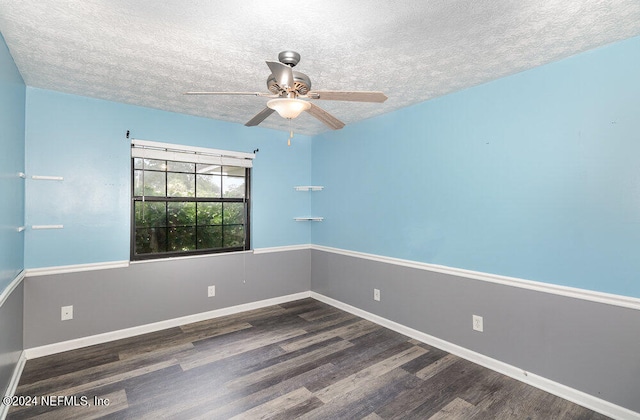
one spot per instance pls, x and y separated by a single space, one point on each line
302 359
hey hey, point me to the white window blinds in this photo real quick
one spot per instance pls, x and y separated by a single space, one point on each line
178 153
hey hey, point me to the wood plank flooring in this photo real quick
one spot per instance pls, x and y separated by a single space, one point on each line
299 360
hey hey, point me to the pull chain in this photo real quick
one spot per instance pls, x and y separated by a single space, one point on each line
290 133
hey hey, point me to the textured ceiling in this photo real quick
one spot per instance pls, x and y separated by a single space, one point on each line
148 52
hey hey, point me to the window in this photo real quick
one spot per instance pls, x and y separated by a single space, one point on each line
188 201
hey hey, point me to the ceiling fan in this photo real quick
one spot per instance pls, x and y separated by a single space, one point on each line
286 87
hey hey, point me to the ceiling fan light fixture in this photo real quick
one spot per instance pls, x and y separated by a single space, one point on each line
289 107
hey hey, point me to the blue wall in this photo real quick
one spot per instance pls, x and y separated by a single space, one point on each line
83 140
534 176
12 120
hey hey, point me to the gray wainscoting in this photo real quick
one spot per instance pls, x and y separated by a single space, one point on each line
589 346
10 335
143 293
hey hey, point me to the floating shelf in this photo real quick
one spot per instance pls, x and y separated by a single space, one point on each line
22 175
309 188
47 178
21 228
308 219
38 227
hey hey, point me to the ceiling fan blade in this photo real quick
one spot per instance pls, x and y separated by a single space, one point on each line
232 93
348 96
282 73
331 121
260 116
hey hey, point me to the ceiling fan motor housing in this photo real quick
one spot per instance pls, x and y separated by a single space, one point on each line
301 85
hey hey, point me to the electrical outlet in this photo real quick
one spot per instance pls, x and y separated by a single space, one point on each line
66 313
376 294
477 323
211 291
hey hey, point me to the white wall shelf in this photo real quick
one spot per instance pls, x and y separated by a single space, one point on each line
45 178
309 188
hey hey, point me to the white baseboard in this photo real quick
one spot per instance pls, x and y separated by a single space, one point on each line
13 384
77 343
581 398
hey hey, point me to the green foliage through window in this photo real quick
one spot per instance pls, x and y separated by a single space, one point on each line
182 208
